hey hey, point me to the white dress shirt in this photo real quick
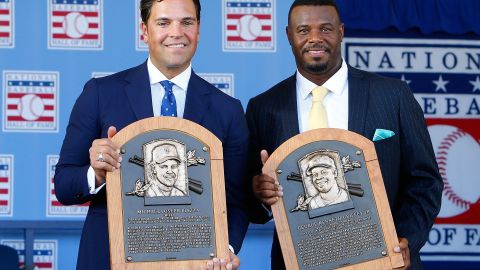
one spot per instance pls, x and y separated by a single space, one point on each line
179 90
335 102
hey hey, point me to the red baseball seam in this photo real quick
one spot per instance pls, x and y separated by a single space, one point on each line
442 158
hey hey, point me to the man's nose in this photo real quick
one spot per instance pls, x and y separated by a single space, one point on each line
315 35
175 29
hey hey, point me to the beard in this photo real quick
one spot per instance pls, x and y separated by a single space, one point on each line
316 67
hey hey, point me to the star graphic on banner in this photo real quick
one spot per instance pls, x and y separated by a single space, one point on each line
476 84
405 80
441 84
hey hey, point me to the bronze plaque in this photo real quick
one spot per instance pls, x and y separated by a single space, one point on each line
330 216
165 202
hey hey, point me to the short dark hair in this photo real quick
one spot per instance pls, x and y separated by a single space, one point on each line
146 8
297 3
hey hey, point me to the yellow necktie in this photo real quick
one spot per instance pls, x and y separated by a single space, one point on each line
318 115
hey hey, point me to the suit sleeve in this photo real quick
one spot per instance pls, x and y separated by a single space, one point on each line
421 185
257 212
71 186
235 161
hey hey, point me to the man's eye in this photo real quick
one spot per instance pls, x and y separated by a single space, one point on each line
303 31
326 30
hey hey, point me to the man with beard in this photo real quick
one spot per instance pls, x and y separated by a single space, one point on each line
326 92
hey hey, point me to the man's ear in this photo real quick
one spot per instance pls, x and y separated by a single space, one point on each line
289 37
152 168
341 31
144 29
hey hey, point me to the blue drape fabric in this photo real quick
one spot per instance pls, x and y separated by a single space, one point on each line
429 16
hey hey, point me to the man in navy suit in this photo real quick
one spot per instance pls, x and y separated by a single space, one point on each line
171 30
357 101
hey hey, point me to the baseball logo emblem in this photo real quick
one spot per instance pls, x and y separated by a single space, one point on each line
249 27
458 158
75 25
30 107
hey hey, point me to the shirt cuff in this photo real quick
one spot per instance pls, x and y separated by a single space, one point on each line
231 249
269 212
91 182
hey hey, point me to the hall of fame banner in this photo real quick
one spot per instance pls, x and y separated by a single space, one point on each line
54 207
222 81
30 101
7 22
76 25
6 185
44 253
445 78
249 26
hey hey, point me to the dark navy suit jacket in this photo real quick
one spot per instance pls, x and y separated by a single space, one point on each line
407 161
119 100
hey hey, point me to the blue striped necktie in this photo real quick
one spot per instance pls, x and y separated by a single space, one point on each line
169 105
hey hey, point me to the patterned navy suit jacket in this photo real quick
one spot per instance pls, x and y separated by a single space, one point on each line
407 161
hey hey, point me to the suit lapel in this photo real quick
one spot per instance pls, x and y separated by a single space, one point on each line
196 103
139 92
358 89
289 113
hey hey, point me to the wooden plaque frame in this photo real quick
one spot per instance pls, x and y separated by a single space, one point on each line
391 260
114 194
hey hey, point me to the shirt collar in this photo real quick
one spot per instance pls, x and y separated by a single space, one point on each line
335 84
181 80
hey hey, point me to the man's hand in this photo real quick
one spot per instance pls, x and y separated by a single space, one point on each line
265 188
104 157
221 264
403 248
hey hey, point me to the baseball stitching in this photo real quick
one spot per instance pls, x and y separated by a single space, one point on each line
442 157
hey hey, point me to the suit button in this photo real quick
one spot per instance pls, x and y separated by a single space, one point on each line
78 195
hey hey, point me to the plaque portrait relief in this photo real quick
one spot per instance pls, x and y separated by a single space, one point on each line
323 179
166 180
326 190
165 168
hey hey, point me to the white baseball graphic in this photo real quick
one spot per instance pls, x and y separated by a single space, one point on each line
458 157
75 25
249 27
30 107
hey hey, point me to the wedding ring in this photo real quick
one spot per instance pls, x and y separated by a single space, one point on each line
100 157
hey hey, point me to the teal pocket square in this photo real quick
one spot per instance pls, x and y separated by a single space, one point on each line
381 134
